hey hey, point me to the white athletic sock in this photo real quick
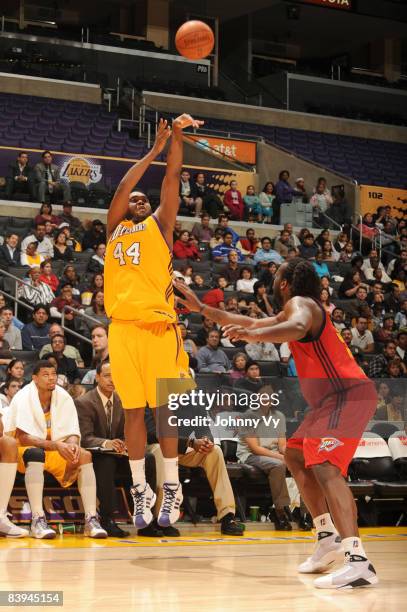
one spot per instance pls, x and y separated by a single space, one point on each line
7 478
138 472
34 483
353 546
323 522
87 488
171 470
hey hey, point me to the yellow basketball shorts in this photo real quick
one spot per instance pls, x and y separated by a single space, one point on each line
56 465
148 362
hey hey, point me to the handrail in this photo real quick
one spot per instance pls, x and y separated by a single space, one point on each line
79 314
120 122
332 221
16 288
18 279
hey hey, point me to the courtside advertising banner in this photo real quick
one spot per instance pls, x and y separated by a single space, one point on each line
346 5
243 151
371 197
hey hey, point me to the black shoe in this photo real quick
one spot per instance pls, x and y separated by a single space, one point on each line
113 530
229 526
170 531
305 522
151 531
281 522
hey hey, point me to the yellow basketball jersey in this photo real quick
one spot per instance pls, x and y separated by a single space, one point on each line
138 274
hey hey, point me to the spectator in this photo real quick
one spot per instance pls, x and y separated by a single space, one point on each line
34 335
293 240
266 254
397 262
371 264
94 236
45 246
8 391
300 189
321 201
15 371
283 243
250 243
205 197
45 215
322 237
262 351
347 254
368 227
70 277
246 281
232 271
284 194
96 263
97 311
252 381
99 338
187 202
101 421
189 345
67 217
328 253
260 298
267 198
232 199
268 275
20 179
69 351
48 277
201 337
184 274
48 179
362 338
184 248
338 319
320 266
211 358
223 224
384 402
386 331
65 365
253 210
31 257
326 301
341 241
350 285
339 211
34 291
394 370
325 284
220 254
378 366
177 230
199 283
62 252
238 370
96 284
400 319
216 297
59 303
402 344
357 353
10 254
202 231
12 334
5 354
308 249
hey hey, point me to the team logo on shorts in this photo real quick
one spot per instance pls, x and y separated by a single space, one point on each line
329 444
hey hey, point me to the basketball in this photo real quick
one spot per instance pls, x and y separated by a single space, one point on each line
194 40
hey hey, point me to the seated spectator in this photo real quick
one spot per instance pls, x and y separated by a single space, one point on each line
20 178
261 299
283 243
394 370
217 239
201 337
45 215
284 194
62 252
65 299
308 249
187 201
205 197
402 344
12 334
30 257
8 391
106 432
72 242
362 338
96 263
34 335
321 201
68 462
211 358
246 281
397 262
96 284
99 338
220 254
48 277
16 321
5 353
351 284
199 283
340 211
223 224
266 254
202 231
338 319
250 243
216 297
184 248
48 179
262 351
344 247
252 381
267 198
328 253
45 246
232 199
238 370
294 242
322 237
378 365
300 189
10 254
325 284
386 331
65 365
325 300
384 402
94 236
232 271
320 266
371 264
357 353
34 291
67 217
253 210
69 351
177 230
184 274
268 275
71 278
376 296
96 310
258 448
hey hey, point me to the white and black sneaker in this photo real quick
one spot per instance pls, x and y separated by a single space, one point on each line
9 530
170 506
39 528
143 499
328 551
357 572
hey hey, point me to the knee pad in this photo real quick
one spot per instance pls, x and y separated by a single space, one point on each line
34 454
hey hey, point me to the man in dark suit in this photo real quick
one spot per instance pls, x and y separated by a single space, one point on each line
21 178
48 179
10 254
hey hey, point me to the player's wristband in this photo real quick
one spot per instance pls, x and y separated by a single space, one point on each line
202 308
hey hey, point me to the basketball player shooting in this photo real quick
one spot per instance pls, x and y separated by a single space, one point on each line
144 341
341 399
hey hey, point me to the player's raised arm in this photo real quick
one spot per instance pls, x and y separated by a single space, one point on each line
166 213
119 206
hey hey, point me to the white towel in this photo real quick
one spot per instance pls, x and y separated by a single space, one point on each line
26 413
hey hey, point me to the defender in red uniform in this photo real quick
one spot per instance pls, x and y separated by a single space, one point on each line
341 402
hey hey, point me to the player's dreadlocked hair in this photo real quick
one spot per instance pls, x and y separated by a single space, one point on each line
302 278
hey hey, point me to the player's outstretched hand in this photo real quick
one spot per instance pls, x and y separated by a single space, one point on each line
189 299
184 121
163 134
237 332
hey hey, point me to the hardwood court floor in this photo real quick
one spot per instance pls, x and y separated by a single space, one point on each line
203 571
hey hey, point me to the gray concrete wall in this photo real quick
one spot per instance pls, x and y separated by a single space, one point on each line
49 88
